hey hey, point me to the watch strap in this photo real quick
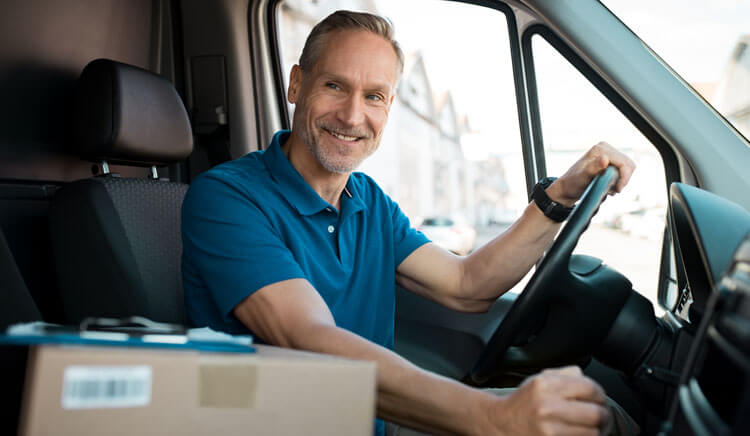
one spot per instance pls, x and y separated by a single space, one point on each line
549 207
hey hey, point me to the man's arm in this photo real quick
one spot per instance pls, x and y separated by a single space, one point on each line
292 314
474 282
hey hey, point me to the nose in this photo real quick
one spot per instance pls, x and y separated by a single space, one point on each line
352 110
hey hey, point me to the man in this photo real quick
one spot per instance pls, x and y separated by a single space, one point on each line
295 247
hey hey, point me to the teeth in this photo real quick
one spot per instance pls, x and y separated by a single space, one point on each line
343 137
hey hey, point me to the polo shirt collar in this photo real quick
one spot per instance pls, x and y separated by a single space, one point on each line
351 201
296 190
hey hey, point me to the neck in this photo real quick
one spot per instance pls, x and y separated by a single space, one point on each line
327 184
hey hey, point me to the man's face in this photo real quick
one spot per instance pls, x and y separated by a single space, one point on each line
342 104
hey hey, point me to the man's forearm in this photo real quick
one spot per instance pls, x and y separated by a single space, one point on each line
292 314
474 282
497 266
407 394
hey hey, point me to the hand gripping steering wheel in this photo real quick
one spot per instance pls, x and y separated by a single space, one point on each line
561 315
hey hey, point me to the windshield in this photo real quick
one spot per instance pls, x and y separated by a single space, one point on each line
705 42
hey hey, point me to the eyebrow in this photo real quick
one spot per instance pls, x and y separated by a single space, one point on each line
381 87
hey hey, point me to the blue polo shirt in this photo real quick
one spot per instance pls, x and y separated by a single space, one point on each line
255 221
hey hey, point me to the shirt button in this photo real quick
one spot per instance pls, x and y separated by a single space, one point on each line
331 229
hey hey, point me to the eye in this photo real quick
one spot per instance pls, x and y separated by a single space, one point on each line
375 97
333 86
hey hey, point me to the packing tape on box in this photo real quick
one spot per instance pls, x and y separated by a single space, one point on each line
227 386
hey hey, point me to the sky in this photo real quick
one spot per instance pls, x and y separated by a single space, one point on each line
693 36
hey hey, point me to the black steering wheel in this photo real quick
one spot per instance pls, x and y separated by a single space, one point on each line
560 315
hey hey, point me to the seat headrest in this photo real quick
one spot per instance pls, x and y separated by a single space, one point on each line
124 114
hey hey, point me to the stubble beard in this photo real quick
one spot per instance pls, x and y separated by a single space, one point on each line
329 161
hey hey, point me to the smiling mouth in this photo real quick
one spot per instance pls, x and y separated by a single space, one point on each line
342 136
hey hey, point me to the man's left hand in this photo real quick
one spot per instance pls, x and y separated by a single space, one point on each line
568 188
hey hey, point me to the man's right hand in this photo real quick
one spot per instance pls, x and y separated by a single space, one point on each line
555 402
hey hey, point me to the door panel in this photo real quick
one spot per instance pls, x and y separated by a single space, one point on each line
440 339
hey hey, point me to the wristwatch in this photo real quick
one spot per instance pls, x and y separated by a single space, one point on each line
551 209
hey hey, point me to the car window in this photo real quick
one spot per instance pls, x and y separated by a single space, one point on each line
628 230
451 151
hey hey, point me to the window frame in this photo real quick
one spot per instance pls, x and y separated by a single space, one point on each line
669 159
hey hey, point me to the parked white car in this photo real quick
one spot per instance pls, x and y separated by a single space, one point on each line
647 223
449 234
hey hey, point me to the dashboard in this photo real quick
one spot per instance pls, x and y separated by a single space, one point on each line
707 231
712 241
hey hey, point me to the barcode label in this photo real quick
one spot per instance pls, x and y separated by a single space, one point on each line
93 387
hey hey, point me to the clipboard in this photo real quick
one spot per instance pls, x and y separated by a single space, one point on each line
136 332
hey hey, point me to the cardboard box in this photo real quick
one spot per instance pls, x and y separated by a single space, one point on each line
77 390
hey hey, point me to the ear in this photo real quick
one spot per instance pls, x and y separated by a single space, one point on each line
295 84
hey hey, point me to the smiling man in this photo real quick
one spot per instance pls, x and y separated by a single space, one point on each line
342 106
294 246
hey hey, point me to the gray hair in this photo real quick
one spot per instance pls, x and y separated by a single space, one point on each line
347 20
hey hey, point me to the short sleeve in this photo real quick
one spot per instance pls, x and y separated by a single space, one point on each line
231 244
406 238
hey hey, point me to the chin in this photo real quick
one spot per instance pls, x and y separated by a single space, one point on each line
340 168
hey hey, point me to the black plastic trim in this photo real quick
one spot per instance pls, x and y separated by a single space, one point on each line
278 70
705 225
254 80
534 112
179 172
699 413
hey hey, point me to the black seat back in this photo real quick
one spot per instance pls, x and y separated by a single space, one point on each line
16 304
116 241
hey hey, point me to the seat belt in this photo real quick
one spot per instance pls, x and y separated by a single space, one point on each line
209 110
